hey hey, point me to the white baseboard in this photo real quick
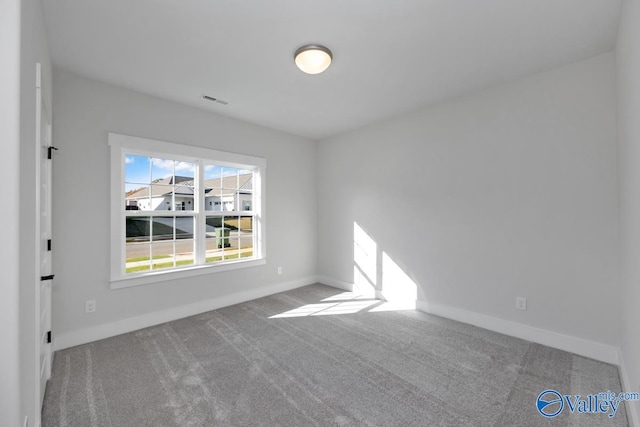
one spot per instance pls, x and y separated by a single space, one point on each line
632 407
594 350
582 347
325 280
95 333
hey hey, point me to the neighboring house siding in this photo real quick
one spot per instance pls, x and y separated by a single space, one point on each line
221 197
229 202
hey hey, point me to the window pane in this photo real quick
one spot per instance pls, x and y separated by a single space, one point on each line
246 224
136 248
171 236
161 198
245 180
233 224
227 203
137 168
184 198
234 242
166 169
136 197
229 237
137 229
222 237
246 202
162 170
230 178
162 228
213 225
184 171
162 253
212 199
246 246
228 189
245 235
212 172
184 186
218 239
213 254
184 228
136 257
213 221
184 252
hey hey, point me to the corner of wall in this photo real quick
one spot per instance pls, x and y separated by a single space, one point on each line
632 407
339 284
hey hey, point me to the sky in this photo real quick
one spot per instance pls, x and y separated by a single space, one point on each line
144 170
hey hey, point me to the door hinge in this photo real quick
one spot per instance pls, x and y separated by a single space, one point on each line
49 337
49 244
50 151
49 277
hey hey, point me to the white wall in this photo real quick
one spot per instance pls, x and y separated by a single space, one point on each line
85 111
33 49
628 66
9 216
504 193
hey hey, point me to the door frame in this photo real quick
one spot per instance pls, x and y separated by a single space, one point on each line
41 111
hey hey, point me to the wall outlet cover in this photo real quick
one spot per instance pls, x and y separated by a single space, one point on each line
90 306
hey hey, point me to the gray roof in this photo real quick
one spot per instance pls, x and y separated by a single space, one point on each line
184 186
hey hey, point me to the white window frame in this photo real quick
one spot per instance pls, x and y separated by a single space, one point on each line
125 144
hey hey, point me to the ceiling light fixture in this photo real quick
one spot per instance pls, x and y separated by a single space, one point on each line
313 58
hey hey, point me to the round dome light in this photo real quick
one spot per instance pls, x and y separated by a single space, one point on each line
313 58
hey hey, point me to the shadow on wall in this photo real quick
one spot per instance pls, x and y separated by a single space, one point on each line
377 275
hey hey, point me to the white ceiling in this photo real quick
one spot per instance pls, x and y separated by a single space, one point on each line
390 56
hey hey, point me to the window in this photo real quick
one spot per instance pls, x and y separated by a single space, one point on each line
229 230
180 210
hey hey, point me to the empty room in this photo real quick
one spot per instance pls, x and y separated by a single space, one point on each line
293 213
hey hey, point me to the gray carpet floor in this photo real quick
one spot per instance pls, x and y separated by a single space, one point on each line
316 356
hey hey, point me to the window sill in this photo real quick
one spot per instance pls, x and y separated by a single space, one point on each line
165 275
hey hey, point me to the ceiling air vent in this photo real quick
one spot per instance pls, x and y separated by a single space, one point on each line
212 99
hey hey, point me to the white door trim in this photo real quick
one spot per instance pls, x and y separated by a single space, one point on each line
43 118
38 409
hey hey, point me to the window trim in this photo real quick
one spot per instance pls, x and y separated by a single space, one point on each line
125 144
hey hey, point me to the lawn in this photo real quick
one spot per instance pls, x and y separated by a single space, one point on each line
232 256
146 258
157 266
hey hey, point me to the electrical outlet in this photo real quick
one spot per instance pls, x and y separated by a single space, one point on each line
279 270
521 303
90 306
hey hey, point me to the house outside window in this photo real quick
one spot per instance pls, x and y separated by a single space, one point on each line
175 210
